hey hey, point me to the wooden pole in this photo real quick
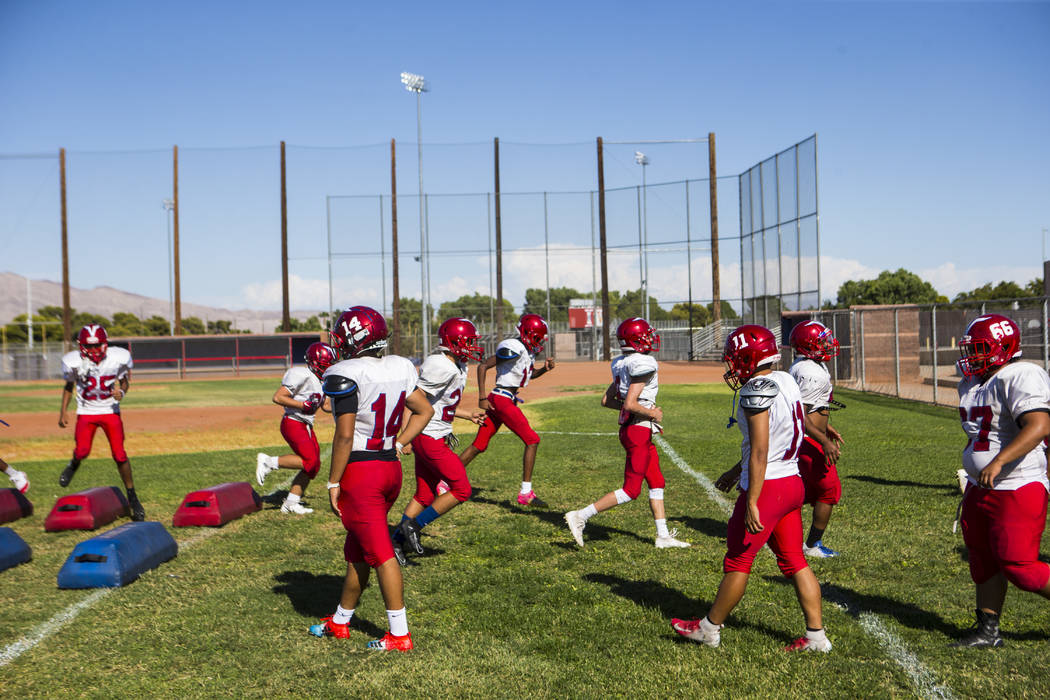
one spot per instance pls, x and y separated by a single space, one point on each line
716 306
175 241
393 248
286 321
499 250
604 252
67 329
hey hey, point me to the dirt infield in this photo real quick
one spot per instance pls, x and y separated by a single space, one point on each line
151 431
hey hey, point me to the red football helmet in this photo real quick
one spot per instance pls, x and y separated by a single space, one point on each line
319 357
532 330
814 340
747 349
460 337
637 334
358 329
93 342
990 341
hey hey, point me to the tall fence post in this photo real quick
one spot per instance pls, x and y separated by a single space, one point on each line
1046 344
933 325
897 350
863 368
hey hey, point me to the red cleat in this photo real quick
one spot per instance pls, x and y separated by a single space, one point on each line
327 628
390 642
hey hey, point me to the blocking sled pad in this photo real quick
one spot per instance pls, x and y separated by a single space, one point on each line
217 505
13 549
13 505
87 510
118 557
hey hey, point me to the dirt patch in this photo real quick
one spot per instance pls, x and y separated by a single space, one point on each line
151 431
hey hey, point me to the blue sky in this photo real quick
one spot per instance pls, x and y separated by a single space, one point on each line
932 119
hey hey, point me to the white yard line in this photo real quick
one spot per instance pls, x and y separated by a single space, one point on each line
64 617
923 680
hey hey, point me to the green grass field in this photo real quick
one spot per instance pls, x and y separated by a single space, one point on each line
503 604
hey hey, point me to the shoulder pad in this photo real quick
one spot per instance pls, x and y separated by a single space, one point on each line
335 385
505 353
641 365
758 394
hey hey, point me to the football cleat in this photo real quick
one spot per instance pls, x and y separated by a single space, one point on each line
399 550
410 533
576 524
138 514
963 480
389 642
983 633
261 468
819 551
67 474
670 541
295 508
694 630
807 644
531 499
20 480
327 628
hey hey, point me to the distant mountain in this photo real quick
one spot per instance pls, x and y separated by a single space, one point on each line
107 300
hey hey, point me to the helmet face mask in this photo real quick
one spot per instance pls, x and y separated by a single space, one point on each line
638 335
532 330
459 336
94 342
814 340
747 350
319 357
990 342
359 329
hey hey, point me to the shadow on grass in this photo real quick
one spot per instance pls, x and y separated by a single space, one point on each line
594 532
711 527
893 482
315 596
671 603
276 498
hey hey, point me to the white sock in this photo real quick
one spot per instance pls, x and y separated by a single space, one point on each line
816 635
661 528
271 462
398 622
526 486
342 615
10 471
291 499
709 626
588 512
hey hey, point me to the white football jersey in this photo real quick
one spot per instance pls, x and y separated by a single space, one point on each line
513 374
443 381
779 392
94 383
383 383
814 382
629 367
300 383
989 414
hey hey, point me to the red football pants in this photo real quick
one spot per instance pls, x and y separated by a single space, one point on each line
779 508
367 491
1002 530
84 435
504 411
434 462
643 462
301 438
821 479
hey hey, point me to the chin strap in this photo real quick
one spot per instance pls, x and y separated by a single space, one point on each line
732 411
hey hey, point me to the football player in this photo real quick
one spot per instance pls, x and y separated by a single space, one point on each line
443 378
633 393
814 344
769 508
369 395
1004 405
100 376
300 395
515 366
18 479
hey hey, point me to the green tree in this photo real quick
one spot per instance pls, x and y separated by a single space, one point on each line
727 309
191 325
632 303
125 324
471 306
411 326
701 314
1035 287
536 302
310 324
900 287
1003 290
156 325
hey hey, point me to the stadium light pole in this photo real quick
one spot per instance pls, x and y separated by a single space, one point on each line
643 160
417 84
169 205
